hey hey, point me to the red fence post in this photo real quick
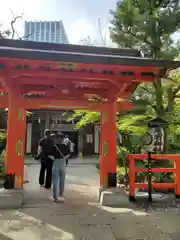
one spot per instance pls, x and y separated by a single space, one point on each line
132 173
131 178
177 176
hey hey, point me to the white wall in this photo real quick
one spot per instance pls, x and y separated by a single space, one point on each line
96 139
28 137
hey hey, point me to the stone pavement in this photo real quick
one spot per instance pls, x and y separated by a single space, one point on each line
86 160
81 217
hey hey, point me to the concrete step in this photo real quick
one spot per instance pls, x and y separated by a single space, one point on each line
113 197
11 198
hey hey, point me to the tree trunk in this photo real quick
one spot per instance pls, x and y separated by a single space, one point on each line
161 113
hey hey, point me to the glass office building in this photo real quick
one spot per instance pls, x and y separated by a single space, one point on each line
48 31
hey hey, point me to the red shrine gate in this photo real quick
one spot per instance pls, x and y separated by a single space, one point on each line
41 75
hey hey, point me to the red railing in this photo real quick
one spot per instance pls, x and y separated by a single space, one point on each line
133 170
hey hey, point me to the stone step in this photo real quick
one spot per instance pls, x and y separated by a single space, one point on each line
11 198
113 197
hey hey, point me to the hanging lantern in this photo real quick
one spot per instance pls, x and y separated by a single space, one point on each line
155 138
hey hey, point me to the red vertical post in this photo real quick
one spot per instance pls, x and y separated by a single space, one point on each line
131 178
102 162
108 146
177 176
16 138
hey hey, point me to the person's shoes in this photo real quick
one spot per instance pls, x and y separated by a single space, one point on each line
42 185
61 199
47 187
55 199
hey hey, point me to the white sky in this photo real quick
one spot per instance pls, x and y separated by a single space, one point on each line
79 16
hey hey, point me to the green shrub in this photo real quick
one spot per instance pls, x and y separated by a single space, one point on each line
2 135
122 156
121 175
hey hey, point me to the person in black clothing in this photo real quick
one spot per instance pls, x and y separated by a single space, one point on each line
45 149
67 142
60 154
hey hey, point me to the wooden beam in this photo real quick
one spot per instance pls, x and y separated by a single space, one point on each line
62 104
76 75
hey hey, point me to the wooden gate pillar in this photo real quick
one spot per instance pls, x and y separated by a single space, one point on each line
16 138
108 146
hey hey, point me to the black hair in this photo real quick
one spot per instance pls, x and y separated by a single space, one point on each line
47 133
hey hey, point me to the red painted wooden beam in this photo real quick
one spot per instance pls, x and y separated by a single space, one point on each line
49 75
62 104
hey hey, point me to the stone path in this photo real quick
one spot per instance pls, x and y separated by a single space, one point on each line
81 217
78 160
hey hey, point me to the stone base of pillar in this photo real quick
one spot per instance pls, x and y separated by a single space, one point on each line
11 198
113 197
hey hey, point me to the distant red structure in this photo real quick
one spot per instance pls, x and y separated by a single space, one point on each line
42 75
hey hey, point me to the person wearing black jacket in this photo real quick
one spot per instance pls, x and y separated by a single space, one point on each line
60 153
45 150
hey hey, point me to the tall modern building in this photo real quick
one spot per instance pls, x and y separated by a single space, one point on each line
48 31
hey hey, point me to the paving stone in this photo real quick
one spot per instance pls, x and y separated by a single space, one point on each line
127 229
97 232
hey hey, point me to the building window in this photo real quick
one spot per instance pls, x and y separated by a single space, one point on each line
58 26
27 28
42 35
53 27
42 26
32 27
47 26
37 26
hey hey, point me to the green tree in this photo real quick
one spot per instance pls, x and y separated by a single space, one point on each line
149 25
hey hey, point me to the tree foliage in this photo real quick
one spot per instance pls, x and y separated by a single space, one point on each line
147 25
85 117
